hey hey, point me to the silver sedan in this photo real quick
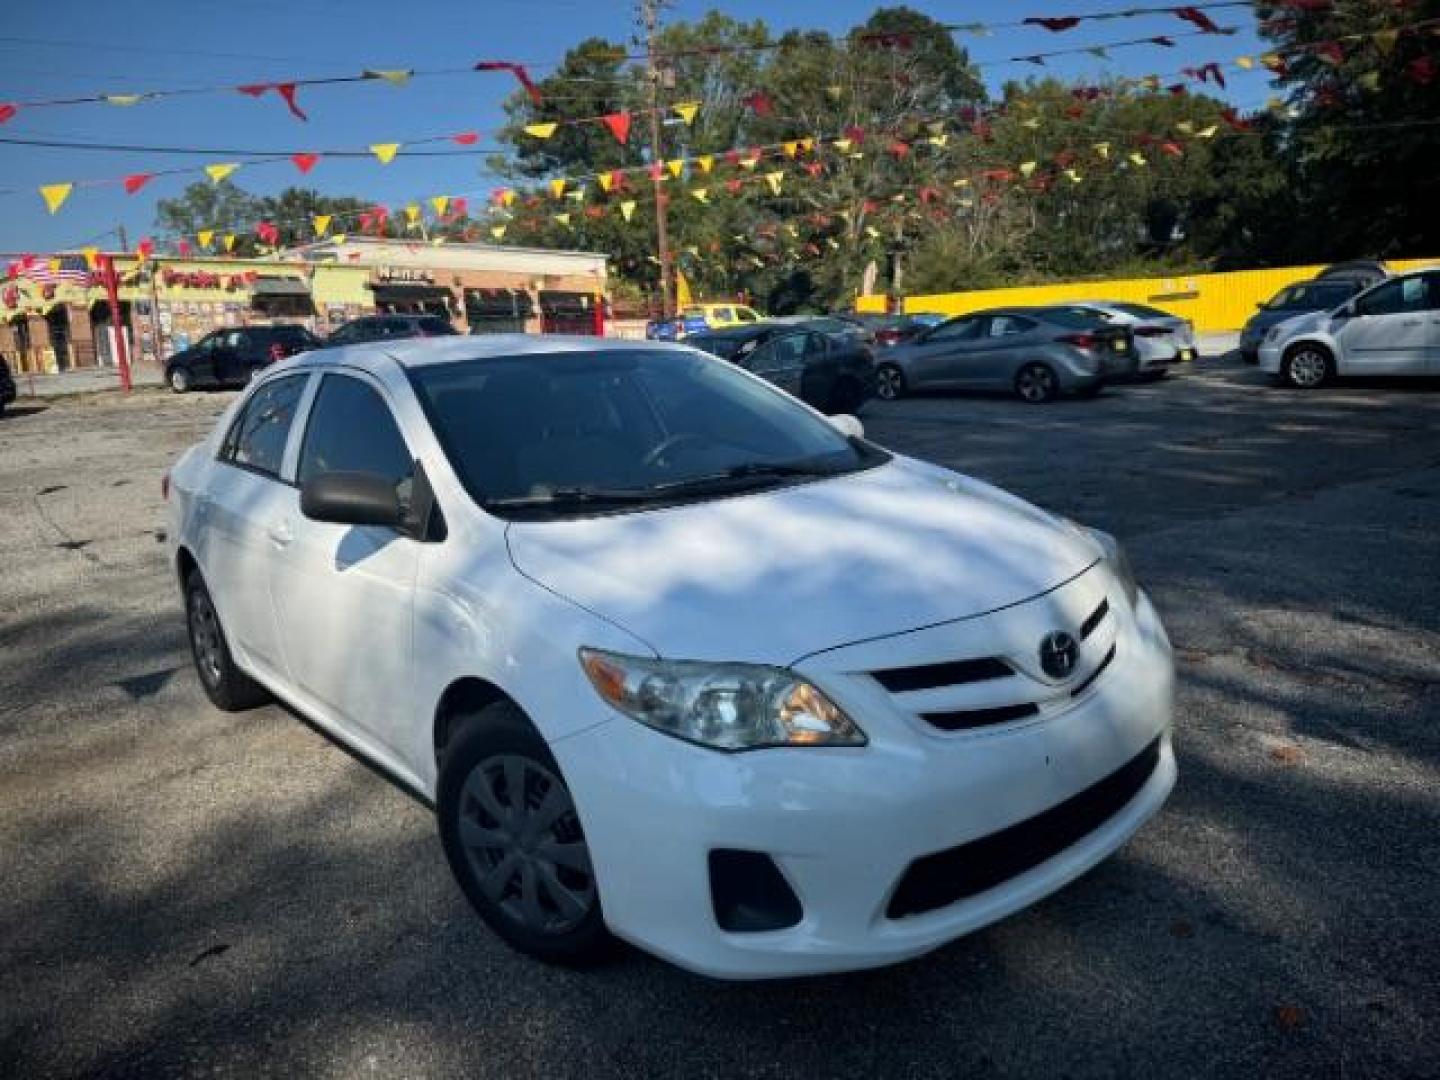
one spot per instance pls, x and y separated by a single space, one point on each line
1036 353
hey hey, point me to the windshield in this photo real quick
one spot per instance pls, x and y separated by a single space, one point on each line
1310 297
600 431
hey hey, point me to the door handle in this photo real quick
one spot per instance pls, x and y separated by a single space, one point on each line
280 534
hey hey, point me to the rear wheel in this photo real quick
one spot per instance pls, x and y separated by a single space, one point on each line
179 379
513 839
1036 383
889 382
225 685
1307 366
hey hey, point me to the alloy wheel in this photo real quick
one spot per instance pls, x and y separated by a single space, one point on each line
889 383
1308 368
205 638
522 838
1035 383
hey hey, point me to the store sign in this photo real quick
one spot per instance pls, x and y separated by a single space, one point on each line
202 279
404 275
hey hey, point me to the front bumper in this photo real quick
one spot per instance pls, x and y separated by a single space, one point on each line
1269 357
844 824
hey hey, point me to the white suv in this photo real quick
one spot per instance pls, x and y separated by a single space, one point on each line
1392 328
671 654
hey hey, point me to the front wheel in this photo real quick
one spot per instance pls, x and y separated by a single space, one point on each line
1307 366
225 685
889 383
179 379
513 839
1036 383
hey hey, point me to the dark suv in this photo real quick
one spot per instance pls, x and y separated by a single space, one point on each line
7 386
382 327
231 357
834 373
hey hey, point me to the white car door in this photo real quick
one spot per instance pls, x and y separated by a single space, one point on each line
1390 331
343 593
245 497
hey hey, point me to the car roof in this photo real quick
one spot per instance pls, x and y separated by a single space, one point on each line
422 352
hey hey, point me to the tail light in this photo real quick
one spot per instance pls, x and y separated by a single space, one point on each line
165 486
1080 341
887 337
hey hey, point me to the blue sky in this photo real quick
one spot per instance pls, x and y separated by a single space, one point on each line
74 47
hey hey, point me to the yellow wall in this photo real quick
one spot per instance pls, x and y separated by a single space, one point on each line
1213 302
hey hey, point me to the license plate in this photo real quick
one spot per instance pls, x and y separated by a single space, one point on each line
1120 345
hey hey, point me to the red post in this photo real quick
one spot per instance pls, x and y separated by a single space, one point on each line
112 291
599 314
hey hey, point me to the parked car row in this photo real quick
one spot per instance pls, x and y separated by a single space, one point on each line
1325 292
828 367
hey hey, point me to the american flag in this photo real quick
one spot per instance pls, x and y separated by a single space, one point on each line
52 271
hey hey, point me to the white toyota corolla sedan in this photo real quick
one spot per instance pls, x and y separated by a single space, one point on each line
673 656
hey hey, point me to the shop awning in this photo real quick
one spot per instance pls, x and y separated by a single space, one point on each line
555 302
385 292
280 286
498 304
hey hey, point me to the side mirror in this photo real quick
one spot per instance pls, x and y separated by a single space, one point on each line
351 498
847 425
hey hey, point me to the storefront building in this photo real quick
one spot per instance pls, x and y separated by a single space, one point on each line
55 316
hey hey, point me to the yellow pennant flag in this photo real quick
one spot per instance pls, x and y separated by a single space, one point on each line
507 197
1031 122
833 242
1386 39
700 194
675 166
938 140
220 172
436 241
563 219
92 256
229 241
936 127
1073 176
835 92
775 179
607 182
321 223
498 232
1185 126
339 237
1208 132
749 162
686 110
541 131
55 195
440 203
964 181
122 99
1370 80
705 162
1103 149
412 214
1027 168
872 232
1138 159
578 195
1245 63
1273 61
807 144
394 76
385 151
206 237
627 209
791 148
557 187
843 145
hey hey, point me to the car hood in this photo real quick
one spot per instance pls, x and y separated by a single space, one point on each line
773 576
1301 324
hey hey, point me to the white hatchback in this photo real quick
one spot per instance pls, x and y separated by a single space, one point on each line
673 657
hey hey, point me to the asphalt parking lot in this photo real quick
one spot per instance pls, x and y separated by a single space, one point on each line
184 891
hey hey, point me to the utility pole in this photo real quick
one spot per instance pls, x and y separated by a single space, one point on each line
124 240
650 15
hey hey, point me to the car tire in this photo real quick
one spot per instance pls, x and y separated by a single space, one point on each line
889 382
178 379
1307 366
528 876
1037 383
226 686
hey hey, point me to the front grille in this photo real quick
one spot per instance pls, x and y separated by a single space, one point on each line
958 873
953 673
964 719
1096 618
1099 669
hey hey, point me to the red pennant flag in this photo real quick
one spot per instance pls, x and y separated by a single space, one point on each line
1421 71
814 168
7 112
998 175
1234 120
732 157
267 232
594 211
656 171
1199 18
145 248
1068 22
287 91
619 125
466 138
982 131
136 181
1330 50
759 103
1177 89
518 70
733 186
183 247
254 89
928 195
1075 112
459 207
1173 149
1065 158
305 162
366 221
899 149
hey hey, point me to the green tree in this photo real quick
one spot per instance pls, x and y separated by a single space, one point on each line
203 205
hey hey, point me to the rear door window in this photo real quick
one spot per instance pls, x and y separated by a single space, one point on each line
257 438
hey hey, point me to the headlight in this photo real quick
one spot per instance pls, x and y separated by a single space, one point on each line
724 706
1119 563
1273 334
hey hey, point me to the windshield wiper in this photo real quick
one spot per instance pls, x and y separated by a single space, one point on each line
750 470
565 497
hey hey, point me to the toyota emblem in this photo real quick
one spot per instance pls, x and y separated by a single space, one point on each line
1059 652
